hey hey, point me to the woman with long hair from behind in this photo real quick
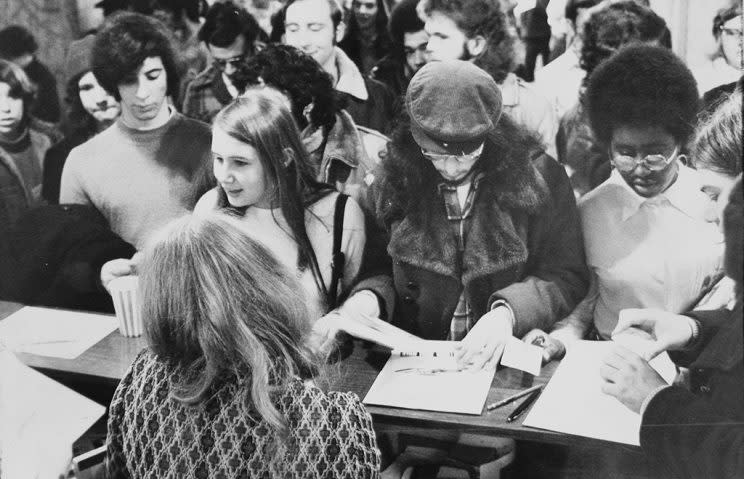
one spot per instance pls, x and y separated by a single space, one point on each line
225 385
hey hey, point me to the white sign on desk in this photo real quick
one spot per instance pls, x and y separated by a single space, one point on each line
54 332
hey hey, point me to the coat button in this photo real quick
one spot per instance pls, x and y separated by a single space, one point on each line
412 286
705 389
408 299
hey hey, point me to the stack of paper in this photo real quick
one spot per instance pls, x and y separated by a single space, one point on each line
39 421
573 401
54 332
428 378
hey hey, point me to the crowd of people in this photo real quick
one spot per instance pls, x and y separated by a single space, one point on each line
271 171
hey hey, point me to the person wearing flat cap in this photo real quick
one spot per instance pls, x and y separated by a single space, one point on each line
480 237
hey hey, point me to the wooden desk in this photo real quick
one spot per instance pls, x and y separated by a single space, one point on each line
108 360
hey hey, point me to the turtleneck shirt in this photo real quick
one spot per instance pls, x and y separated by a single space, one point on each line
140 179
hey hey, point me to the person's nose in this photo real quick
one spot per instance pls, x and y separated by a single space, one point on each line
711 212
230 69
142 90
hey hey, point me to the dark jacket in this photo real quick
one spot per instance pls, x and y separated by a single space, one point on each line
391 70
54 162
524 245
376 112
700 433
53 257
46 101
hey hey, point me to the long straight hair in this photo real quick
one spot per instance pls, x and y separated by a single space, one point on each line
262 118
216 302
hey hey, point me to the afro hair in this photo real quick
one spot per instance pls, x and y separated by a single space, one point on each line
642 85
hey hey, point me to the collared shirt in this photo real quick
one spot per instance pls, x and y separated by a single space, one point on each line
528 107
458 203
350 79
657 252
560 81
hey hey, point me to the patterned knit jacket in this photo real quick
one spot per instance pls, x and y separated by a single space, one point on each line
151 435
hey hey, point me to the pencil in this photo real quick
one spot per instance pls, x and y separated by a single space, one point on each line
512 398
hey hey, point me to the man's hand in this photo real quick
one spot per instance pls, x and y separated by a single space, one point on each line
629 378
552 347
484 344
670 331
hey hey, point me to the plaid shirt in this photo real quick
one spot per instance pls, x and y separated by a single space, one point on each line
460 219
206 95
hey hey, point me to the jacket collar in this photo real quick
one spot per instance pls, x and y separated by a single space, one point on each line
350 79
725 350
496 239
342 143
219 89
510 90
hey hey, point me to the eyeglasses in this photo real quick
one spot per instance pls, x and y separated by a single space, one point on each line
651 162
461 158
232 61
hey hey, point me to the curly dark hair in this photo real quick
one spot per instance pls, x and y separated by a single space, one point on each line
223 23
124 42
352 42
642 85
296 74
15 41
485 18
403 19
619 24
407 180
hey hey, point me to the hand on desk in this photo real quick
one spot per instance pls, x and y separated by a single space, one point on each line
484 344
670 331
553 348
629 378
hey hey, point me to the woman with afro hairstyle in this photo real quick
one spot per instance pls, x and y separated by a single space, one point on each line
608 28
649 236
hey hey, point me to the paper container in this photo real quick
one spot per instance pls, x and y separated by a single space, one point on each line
124 293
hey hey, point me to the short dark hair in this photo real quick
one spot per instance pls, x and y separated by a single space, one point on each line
20 86
724 15
277 21
125 41
642 85
192 9
15 41
223 23
296 74
619 24
404 19
484 18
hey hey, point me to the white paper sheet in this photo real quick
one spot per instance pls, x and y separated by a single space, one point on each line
54 332
522 356
39 420
573 401
428 379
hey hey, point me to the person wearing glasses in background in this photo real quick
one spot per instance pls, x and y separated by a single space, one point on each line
231 35
720 79
650 232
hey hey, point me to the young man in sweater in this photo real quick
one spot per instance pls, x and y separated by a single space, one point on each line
153 164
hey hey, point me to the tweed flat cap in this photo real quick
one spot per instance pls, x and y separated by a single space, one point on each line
452 106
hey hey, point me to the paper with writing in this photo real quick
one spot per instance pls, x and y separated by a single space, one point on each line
54 332
573 401
429 379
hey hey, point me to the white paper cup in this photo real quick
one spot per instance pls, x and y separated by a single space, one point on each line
124 293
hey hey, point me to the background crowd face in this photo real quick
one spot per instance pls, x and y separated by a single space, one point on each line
365 12
227 58
718 187
641 141
95 100
308 27
731 42
143 97
415 46
11 110
446 41
239 171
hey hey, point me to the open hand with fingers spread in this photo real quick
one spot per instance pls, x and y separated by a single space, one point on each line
484 344
670 331
629 378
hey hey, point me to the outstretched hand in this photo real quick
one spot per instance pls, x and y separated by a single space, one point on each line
629 378
669 331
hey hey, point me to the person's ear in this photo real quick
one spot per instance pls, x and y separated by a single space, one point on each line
307 111
476 45
340 31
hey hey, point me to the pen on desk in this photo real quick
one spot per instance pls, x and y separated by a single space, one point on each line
523 406
512 398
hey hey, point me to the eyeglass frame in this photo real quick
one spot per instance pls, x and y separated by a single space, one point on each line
234 61
645 160
730 32
460 158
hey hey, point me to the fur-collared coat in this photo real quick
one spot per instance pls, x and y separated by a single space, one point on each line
524 245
